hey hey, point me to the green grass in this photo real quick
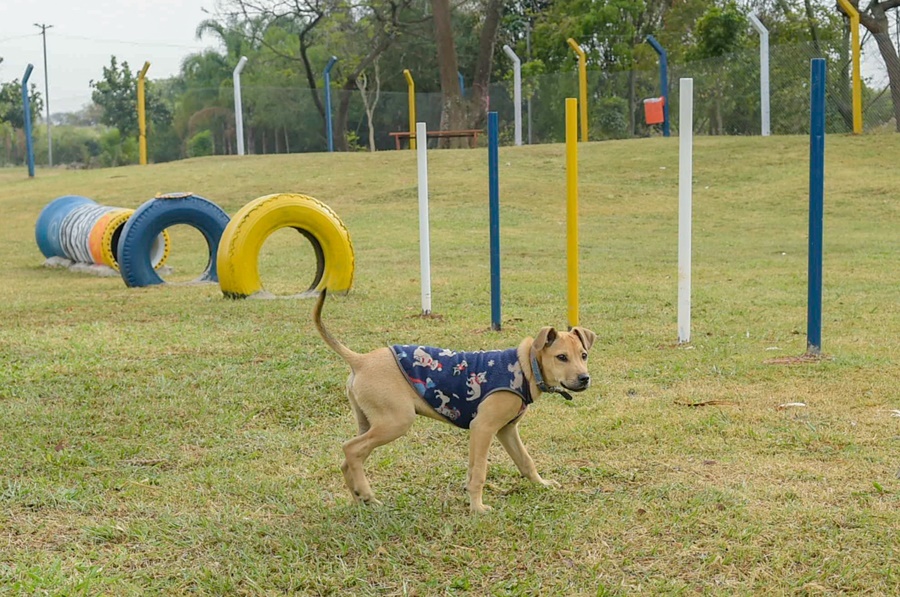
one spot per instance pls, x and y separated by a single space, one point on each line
166 440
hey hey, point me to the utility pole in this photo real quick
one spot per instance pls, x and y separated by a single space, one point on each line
43 29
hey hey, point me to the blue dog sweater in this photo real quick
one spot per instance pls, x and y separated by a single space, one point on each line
455 383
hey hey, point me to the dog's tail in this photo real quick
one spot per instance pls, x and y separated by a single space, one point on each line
344 352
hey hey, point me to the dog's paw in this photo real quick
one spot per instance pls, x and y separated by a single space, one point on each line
550 483
480 509
371 502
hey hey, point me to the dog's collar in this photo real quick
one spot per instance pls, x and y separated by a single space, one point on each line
539 379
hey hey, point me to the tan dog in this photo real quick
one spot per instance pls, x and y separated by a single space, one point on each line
386 404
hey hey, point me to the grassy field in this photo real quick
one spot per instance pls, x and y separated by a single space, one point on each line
167 440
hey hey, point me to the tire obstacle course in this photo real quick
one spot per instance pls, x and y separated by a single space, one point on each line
256 221
152 218
77 230
135 242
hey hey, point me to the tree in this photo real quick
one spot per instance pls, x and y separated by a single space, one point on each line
455 112
720 31
12 110
875 18
116 94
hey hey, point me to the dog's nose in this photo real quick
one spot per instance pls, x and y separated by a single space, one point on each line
584 379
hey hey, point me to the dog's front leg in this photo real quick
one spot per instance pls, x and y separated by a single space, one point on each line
479 444
509 437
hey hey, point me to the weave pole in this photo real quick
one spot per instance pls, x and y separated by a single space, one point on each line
572 207
816 205
494 203
424 231
685 208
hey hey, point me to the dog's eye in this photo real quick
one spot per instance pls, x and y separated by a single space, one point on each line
584 356
562 358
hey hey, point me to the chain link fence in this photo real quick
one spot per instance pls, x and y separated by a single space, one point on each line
287 120
726 102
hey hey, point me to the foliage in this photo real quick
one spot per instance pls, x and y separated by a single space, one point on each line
117 149
201 144
116 94
12 110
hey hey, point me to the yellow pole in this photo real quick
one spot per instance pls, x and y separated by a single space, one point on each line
412 107
572 206
142 115
582 86
853 13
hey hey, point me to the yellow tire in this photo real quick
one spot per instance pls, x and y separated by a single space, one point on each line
238 253
109 243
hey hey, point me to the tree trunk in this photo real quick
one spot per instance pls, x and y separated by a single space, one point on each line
882 36
342 117
486 42
876 21
453 112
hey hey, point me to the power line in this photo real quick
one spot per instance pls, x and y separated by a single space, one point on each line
14 37
151 44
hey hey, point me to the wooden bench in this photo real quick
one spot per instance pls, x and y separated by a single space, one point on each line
472 134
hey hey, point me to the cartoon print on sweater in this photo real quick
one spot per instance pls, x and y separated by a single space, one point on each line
447 411
456 383
474 383
423 359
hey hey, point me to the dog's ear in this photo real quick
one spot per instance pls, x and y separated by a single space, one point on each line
545 338
586 336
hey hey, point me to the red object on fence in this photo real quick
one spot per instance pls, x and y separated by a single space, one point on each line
653 110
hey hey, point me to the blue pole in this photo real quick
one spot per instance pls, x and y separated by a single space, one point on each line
494 202
462 84
328 131
26 105
663 80
816 205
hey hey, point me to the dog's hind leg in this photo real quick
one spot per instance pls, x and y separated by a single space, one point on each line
362 421
357 450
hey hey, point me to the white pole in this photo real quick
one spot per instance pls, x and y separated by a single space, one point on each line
517 90
685 173
238 108
763 73
424 234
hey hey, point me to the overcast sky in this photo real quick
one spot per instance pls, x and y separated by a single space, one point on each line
86 33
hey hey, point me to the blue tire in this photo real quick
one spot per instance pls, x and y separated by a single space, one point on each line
154 216
46 230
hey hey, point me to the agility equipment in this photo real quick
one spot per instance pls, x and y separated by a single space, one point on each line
80 230
685 205
424 226
572 208
151 219
816 206
238 251
494 214
46 230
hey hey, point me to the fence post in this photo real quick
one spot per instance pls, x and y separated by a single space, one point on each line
26 103
763 73
517 91
328 130
663 80
582 87
142 115
238 106
411 92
